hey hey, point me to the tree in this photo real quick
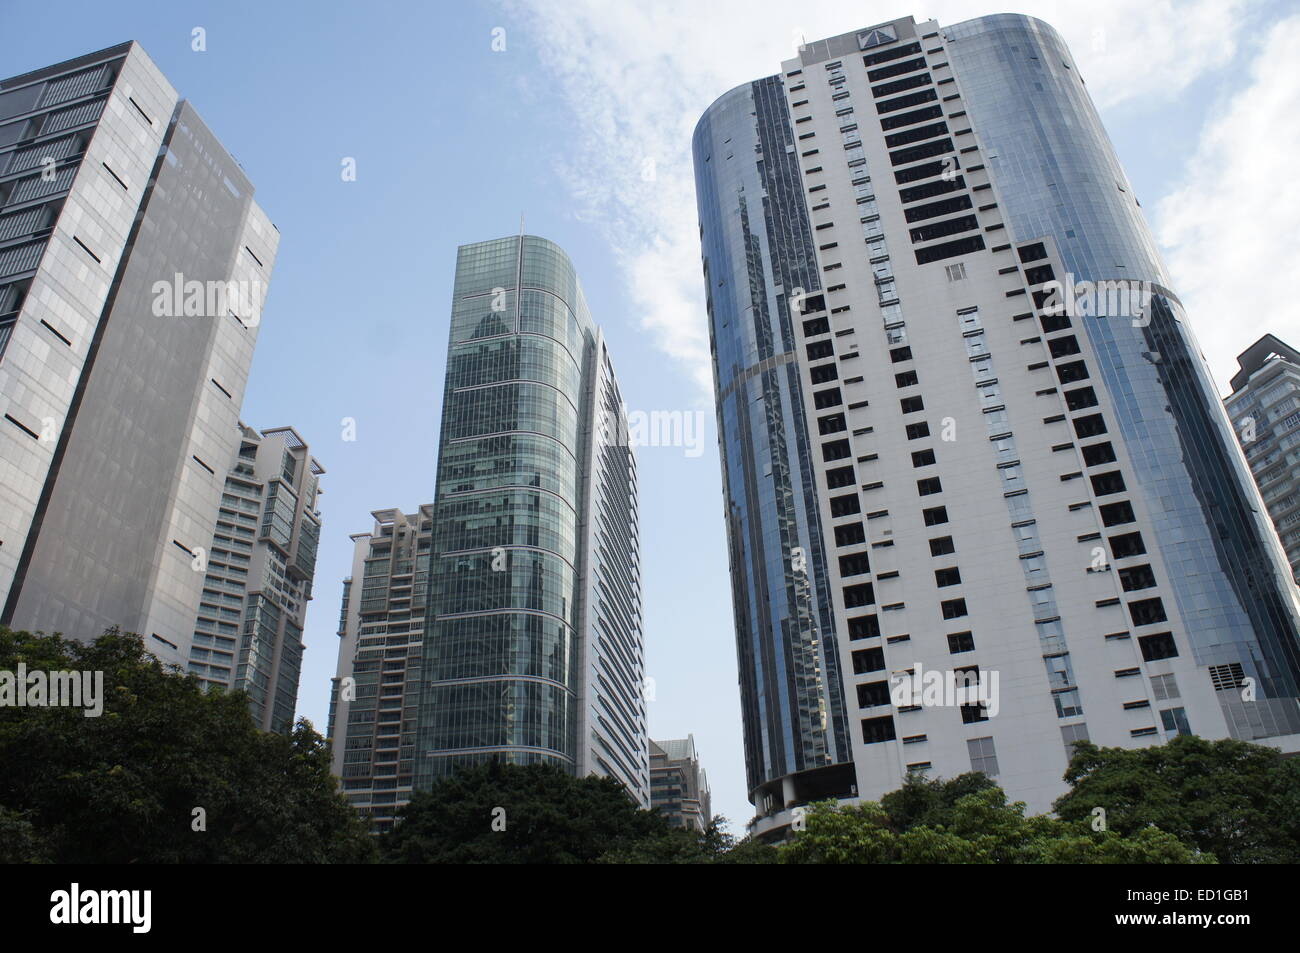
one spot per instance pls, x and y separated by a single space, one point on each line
930 802
168 773
511 814
1237 801
979 827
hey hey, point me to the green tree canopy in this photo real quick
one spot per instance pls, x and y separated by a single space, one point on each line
124 787
1237 801
538 814
979 827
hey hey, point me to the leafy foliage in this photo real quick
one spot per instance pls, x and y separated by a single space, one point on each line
123 787
938 824
540 814
1237 801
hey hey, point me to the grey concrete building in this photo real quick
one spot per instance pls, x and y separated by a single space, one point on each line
969 441
679 788
258 575
1265 409
133 268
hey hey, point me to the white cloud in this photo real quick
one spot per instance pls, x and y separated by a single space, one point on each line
1229 228
637 77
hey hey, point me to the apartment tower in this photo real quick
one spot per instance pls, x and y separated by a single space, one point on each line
1265 409
962 409
679 788
258 573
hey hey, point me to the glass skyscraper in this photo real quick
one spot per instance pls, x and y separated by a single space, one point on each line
120 386
532 647
957 391
759 254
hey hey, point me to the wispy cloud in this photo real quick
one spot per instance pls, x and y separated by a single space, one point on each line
1229 228
637 78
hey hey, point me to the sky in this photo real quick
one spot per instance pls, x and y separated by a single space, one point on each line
461 118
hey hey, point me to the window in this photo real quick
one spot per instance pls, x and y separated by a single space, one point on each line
982 756
872 694
956 272
918 430
839 477
875 730
962 246
959 642
919 213
1050 322
972 714
831 424
824 373
868 660
908 119
912 405
947 577
820 349
1062 347
816 326
864 627
953 608
1114 514
1105 484
1080 397
1098 453
1039 274
845 505
1072 735
1127 544
854 565
1158 646
836 450
1147 611
1093 425
1034 252
941 546
1138 577
929 486
827 398
1068 703
923 458
1175 721
905 379
935 515
900 354
942 229
1074 371
1164 686
859 595
850 534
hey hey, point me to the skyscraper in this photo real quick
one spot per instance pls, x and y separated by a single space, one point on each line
133 268
1023 483
376 691
679 788
531 648
1265 409
258 575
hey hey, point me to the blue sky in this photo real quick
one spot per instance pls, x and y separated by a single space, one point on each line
582 124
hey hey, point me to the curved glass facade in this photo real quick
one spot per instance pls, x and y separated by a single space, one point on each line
758 252
1058 176
501 650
